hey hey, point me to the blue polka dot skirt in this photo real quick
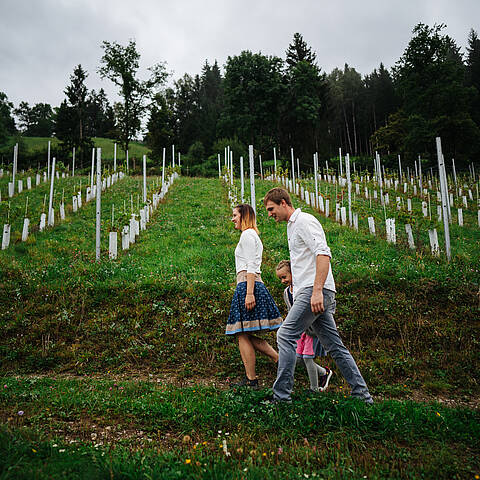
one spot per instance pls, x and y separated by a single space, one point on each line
264 316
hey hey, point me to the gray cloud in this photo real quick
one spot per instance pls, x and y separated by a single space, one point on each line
42 40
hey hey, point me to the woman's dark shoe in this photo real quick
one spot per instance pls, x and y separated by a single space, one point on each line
246 382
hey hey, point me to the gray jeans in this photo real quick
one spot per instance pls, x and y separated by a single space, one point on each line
299 318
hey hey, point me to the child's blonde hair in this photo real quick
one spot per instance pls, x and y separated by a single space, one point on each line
284 264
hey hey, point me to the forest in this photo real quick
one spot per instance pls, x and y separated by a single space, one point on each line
432 90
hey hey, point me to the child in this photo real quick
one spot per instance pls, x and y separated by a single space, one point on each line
308 346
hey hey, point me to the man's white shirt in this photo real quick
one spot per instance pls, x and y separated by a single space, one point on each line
306 240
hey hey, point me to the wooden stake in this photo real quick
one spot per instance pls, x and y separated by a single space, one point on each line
99 203
144 179
163 168
444 194
293 169
50 204
242 180
349 187
252 178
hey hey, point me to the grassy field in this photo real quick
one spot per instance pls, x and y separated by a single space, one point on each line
105 428
40 144
133 365
465 240
78 230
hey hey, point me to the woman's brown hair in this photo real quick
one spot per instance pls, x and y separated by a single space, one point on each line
247 217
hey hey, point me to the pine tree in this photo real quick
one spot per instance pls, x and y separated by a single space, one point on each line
101 117
76 94
298 51
473 59
72 122
304 105
210 103
430 77
473 72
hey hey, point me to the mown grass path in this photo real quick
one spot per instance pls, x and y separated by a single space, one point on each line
101 428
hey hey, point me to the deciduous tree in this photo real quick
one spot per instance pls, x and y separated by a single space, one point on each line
36 121
120 64
7 123
253 92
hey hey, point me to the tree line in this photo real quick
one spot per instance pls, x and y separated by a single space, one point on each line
268 101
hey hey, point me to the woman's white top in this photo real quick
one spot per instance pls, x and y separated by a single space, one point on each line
248 254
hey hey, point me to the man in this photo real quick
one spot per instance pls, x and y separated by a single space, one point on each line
314 298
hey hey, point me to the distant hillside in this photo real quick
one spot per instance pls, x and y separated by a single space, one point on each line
36 145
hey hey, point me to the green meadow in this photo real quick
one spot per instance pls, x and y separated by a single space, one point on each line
465 240
120 369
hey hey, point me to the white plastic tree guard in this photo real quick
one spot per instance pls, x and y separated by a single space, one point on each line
6 236
26 223
112 245
51 216
408 230
125 237
132 228
435 248
371 225
43 221
390 230
98 222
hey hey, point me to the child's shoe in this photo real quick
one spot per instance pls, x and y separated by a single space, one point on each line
324 380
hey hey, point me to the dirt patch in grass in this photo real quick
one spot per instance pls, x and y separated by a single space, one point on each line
171 378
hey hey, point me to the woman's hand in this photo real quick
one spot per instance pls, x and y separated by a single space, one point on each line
250 301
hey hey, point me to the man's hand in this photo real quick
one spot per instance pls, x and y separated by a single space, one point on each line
250 301
316 302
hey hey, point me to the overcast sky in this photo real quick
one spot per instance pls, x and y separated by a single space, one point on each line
41 41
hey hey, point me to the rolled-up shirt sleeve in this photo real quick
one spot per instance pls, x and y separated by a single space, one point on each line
314 238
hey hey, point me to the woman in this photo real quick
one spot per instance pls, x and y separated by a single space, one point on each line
253 309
